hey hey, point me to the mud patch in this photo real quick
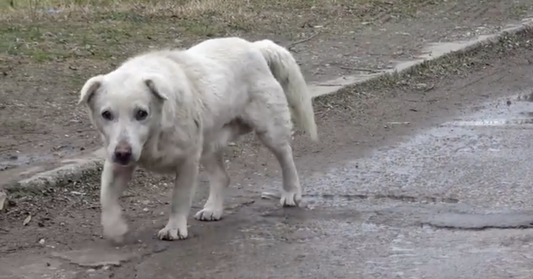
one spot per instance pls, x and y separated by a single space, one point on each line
93 257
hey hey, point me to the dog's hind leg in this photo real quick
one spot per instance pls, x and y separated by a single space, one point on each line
271 119
291 194
218 182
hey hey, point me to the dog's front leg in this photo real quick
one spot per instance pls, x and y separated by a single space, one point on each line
182 196
114 181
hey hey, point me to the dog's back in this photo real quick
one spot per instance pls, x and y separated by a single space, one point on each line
250 61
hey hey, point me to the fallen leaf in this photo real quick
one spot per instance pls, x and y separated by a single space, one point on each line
3 198
27 220
270 196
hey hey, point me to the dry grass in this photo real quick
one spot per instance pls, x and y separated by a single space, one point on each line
59 29
87 8
231 9
55 30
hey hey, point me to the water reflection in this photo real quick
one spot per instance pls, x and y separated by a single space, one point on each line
526 97
492 122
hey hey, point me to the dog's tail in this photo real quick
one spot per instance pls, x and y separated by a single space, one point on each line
287 72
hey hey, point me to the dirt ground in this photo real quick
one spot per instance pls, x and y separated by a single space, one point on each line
351 123
39 120
47 53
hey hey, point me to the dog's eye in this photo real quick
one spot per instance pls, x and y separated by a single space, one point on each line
141 115
107 115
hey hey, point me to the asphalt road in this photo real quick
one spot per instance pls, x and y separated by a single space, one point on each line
449 200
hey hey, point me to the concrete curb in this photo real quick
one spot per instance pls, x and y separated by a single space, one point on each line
82 168
431 54
71 170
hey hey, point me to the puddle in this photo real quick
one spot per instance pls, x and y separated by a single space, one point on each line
93 257
19 160
516 111
493 122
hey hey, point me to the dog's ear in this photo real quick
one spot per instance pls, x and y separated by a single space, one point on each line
89 89
155 89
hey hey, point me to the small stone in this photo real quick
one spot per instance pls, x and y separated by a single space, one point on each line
421 86
145 202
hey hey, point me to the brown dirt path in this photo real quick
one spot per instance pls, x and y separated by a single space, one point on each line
46 56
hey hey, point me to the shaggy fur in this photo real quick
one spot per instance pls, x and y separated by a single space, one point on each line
167 111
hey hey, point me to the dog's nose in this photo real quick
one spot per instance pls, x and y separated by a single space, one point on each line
122 153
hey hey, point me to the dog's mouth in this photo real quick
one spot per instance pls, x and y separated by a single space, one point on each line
122 169
122 162
123 165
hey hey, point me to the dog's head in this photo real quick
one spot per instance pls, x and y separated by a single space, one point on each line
126 109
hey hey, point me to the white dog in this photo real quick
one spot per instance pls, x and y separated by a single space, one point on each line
167 111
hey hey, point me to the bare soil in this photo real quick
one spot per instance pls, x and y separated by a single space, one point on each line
47 55
39 119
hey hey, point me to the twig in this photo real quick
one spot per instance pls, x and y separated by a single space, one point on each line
293 44
360 69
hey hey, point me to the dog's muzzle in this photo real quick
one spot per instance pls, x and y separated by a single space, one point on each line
122 154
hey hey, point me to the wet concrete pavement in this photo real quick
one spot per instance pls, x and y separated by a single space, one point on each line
449 202
453 201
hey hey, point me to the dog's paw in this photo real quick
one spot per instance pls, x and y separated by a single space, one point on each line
173 233
290 199
114 227
209 214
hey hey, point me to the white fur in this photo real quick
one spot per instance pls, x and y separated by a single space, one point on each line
195 100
